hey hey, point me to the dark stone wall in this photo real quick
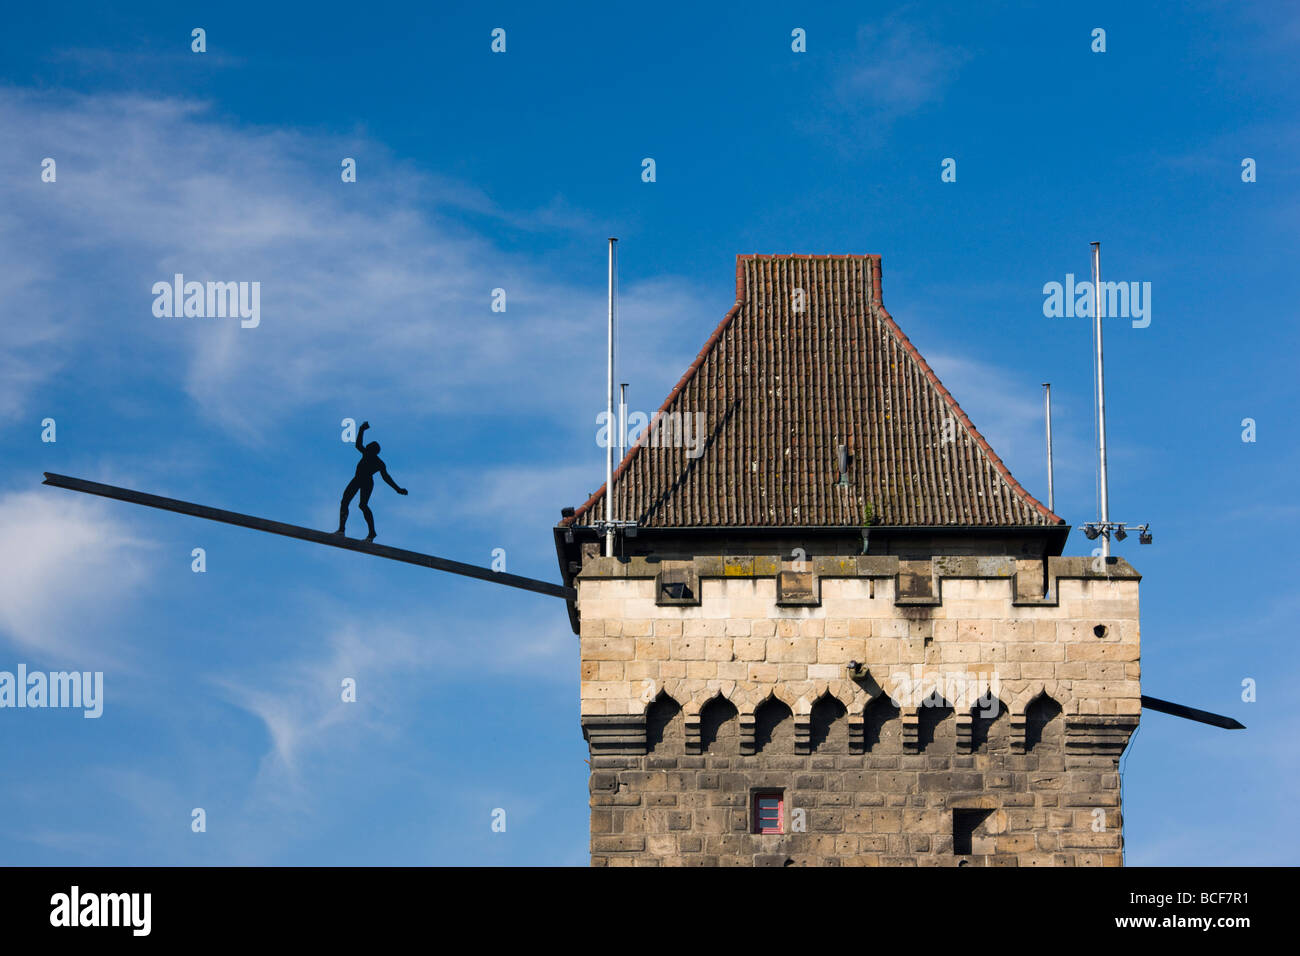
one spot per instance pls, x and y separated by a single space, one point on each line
891 804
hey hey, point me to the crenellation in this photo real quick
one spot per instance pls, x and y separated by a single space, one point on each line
1032 698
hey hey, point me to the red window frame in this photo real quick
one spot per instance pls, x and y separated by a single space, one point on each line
763 822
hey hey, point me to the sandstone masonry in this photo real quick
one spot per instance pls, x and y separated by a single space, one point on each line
948 711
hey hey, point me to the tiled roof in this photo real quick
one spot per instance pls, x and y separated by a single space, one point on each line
781 388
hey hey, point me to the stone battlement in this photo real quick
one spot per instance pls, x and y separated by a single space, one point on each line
737 628
904 708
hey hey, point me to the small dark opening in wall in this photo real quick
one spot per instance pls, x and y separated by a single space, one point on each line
964 824
1041 711
984 716
876 724
676 590
1100 630
934 711
717 720
659 718
768 720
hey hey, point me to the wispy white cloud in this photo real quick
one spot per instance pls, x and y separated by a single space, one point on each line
1010 415
66 565
81 844
377 291
300 700
501 499
1006 416
898 66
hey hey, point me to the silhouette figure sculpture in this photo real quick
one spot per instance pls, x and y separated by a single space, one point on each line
364 482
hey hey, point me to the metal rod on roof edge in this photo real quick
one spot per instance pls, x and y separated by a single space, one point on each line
622 421
1051 497
609 407
1101 400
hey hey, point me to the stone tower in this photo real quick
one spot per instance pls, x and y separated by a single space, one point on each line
842 633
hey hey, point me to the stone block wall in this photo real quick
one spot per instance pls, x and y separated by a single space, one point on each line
959 710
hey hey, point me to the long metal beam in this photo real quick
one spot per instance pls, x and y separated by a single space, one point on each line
307 534
1191 713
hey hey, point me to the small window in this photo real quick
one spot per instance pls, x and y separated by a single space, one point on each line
769 812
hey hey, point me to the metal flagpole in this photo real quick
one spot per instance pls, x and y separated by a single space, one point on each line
1097 310
609 409
1051 497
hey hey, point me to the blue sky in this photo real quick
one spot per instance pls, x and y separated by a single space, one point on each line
479 171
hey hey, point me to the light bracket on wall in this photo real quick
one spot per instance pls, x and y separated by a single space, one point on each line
1115 529
628 528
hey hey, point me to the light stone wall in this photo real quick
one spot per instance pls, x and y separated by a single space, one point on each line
963 625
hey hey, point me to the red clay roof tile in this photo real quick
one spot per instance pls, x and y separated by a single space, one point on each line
779 389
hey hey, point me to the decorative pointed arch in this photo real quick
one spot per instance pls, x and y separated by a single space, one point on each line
1033 690
717 727
930 725
984 727
828 725
773 727
1044 723
665 726
881 727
